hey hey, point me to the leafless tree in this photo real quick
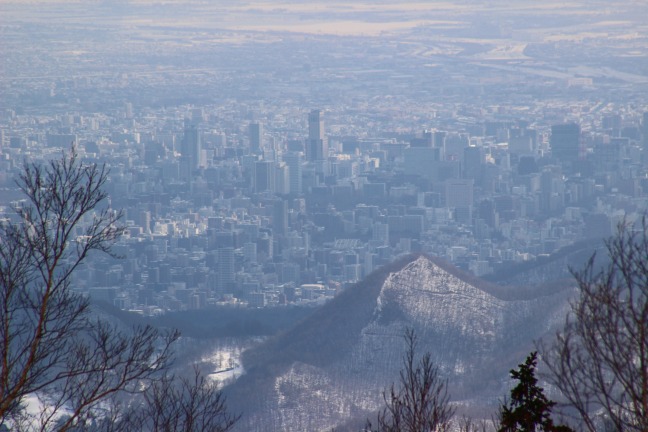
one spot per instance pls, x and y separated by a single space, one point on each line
466 424
421 402
188 403
599 361
52 350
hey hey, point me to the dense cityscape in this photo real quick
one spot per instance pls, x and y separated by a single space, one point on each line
265 169
306 204
232 206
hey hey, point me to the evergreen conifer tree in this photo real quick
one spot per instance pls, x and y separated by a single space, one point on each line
529 410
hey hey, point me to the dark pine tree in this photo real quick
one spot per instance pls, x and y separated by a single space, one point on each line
529 410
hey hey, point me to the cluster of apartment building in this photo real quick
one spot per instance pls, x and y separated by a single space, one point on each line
259 210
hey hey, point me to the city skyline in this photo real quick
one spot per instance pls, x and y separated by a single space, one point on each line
323 175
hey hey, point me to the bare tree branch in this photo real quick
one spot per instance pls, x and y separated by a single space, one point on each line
421 402
51 349
599 361
190 403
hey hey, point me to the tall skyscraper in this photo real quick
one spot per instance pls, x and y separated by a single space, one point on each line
225 276
255 134
565 142
264 176
294 162
280 217
191 146
317 146
281 179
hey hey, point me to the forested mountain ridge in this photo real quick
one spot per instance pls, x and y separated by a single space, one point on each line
334 365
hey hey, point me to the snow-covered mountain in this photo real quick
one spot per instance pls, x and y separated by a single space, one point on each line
334 365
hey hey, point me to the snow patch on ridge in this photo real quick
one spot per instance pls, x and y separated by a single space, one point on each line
429 296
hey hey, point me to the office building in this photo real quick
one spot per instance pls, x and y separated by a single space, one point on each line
264 176
317 146
255 134
565 142
250 252
459 192
280 217
294 162
225 276
191 147
282 179
421 161
473 157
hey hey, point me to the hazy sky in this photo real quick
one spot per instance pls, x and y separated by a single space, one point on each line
346 18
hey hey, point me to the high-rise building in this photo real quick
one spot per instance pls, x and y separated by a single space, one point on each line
612 123
317 146
225 276
264 173
128 110
191 146
422 161
380 233
440 141
459 192
473 158
250 252
255 134
145 221
281 179
565 142
552 188
265 245
280 217
426 140
294 162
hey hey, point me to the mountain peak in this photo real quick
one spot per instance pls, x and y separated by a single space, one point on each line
425 295
336 363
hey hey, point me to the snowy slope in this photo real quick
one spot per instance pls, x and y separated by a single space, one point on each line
473 336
